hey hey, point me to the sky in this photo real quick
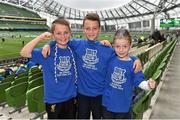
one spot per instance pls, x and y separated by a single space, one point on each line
93 4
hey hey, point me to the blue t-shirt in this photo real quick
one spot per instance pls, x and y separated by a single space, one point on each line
120 82
92 59
64 89
30 64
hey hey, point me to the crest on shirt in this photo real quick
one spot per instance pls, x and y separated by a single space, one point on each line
64 65
90 58
118 78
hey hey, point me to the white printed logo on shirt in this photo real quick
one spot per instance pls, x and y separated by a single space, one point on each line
90 59
64 66
118 78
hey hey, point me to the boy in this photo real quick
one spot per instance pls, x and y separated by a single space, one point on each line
92 59
58 71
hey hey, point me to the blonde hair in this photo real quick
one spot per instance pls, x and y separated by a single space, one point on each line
122 34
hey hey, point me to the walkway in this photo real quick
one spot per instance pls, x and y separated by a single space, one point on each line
168 102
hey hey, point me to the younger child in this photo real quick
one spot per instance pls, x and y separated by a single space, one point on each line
121 79
58 71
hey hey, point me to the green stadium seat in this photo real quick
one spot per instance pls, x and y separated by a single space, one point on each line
16 96
23 74
34 70
3 86
19 80
34 76
34 83
8 79
35 101
141 105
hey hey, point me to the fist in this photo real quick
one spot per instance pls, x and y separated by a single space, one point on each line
152 83
46 36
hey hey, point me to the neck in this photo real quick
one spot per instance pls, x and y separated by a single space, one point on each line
61 46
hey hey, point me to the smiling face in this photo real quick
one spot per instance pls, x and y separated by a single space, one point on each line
91 26
61 32
62 35
122 43
122 47
91 29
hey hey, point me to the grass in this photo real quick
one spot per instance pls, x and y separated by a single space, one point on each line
12 46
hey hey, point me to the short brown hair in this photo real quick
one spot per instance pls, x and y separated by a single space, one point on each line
61 21
93 17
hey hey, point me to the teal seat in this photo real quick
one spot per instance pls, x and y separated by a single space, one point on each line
141 105
8 79
34 70
16 95
19 80
34 76
3 86
23 74
35 99
34 83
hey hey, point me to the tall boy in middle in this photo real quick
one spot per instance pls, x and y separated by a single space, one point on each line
92 59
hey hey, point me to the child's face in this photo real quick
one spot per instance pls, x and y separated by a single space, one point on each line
62 35
91 29
122 47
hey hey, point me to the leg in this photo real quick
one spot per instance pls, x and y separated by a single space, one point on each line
107 114
96 106
83 107
123 115
70 109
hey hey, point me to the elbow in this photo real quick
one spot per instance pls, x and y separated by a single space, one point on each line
23 53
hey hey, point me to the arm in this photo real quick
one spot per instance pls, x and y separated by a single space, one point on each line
147 85
105 42
27 49
137 66
46 48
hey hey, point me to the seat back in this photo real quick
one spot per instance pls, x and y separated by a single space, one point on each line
34 83
3 86
35 99
16 95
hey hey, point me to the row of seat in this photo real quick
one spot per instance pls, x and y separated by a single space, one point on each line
154 70
21 89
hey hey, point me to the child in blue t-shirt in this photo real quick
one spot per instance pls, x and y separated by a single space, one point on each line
121 79
92 59
59 72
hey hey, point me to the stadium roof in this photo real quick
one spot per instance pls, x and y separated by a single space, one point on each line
107 9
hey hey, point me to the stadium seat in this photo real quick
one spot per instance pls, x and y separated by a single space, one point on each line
8 79
141 105
34 76
19 80
23 74
35 100
34 83
16 96
3 86
34 70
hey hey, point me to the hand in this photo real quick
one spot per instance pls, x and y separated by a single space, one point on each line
137 66
151 83
46 50
46 36
106 42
